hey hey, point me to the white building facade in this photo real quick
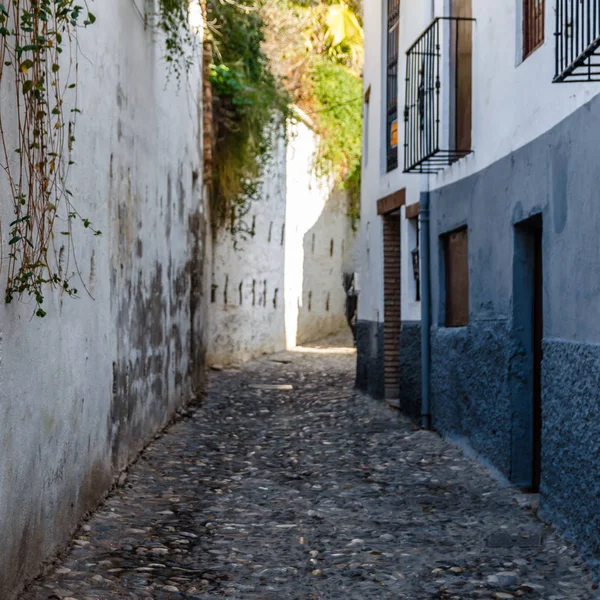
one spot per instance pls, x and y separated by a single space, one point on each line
497 108
388 361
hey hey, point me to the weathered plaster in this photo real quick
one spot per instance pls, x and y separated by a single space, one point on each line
82 390
246 304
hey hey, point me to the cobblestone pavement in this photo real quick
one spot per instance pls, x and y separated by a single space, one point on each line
316 492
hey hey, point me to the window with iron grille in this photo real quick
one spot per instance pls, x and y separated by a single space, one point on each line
456 259
393 20
577 38
533 25
438 110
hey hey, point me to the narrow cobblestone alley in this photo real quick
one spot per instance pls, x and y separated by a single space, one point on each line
267 492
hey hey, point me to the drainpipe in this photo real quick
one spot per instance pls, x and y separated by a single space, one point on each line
425 312
426 281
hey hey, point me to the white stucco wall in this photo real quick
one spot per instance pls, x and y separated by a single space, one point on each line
82 389
295 205
319 246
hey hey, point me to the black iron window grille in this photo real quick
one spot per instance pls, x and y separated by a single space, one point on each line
393 42
434 112
577 49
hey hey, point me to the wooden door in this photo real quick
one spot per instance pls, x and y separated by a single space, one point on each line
538 334
463 52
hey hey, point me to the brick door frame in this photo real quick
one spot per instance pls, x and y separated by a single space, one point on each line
392 317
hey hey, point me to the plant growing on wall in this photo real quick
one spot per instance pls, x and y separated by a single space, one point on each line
38 66
340 124
317 46
247 100
264 54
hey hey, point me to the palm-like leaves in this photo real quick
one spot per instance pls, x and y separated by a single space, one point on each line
343 26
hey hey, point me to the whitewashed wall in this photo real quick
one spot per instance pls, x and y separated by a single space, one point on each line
376 183
514 102
84 388
318 248
247 298
305 298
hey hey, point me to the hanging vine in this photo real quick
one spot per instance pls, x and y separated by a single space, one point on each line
38 66
247 99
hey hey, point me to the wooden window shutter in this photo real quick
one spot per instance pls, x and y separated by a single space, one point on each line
464 73
533 25
457 278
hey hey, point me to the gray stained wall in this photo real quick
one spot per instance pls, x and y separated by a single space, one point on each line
477 371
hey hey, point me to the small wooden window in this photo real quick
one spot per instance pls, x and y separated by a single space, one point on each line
533 25
456 250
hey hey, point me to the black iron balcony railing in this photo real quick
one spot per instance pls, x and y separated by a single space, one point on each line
577 49
437 113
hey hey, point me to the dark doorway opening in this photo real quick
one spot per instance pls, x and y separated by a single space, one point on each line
526 369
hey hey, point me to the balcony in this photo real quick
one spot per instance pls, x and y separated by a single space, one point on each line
577 41
437 112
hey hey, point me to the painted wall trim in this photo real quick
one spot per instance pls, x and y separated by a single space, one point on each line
413 210
391 202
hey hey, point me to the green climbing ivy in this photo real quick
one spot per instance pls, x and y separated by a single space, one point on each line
317 46
338 100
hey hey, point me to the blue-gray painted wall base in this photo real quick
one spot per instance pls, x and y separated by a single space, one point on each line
475 370
470 369
410 369
369 364
571 441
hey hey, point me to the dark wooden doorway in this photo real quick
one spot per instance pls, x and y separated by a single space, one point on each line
538 337
528 332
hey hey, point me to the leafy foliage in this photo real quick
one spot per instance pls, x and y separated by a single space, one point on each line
247 98
317 46
179 38
340 125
